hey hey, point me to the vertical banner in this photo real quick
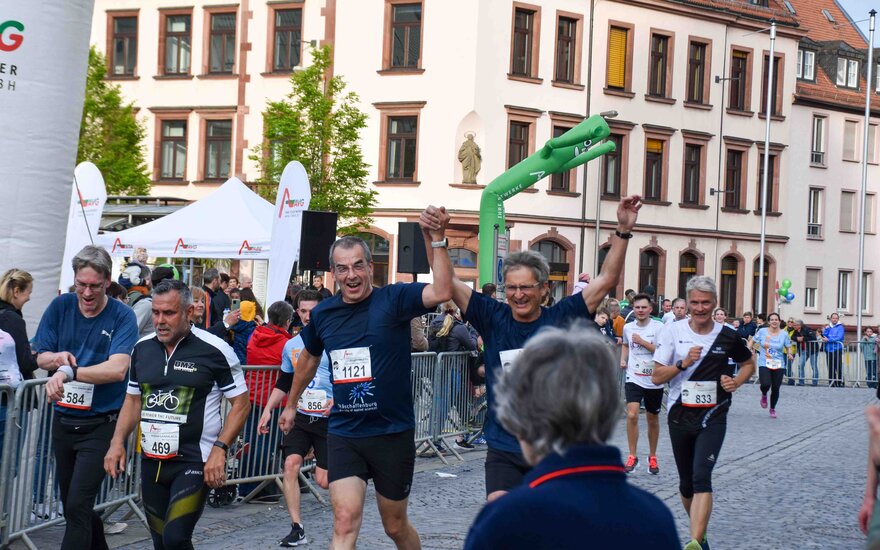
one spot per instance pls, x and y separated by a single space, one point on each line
294 195
87 198
44 49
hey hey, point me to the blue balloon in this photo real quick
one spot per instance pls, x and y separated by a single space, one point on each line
789 296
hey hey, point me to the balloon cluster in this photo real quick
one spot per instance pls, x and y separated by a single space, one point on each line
785 292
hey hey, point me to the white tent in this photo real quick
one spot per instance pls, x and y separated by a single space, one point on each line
233 222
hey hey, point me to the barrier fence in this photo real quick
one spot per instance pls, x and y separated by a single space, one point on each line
815 364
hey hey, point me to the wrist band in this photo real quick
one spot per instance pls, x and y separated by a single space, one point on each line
222 445
625 236
68 371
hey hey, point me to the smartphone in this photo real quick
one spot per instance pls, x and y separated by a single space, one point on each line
236 304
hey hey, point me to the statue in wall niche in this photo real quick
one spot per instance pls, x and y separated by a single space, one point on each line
470 158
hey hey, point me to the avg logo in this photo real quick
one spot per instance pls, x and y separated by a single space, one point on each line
86 203
183 247
246 248
10 41
289 203
118 245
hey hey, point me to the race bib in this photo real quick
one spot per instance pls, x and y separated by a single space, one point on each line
77 395
645 368
160 441
774 364
508 357
699 394
351 365
312 401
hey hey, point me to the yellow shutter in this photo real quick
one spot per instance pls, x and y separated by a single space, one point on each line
740 55
654 146
616 77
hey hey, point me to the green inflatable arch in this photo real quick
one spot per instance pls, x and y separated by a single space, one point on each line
577 146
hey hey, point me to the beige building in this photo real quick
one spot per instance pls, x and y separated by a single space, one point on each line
686 79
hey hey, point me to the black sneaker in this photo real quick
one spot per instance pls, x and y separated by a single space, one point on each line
296 537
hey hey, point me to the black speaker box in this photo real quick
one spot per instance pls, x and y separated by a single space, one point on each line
318 234
411 254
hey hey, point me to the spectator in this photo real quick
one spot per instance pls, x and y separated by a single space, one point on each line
233 284
626 306
318 284
489 290
143 307
805 341
677 313
761 320
832 335
218 329
568 382
617 320
418 340
138 277
250 317
224 283
117 291
869 352
581 284
747 327
448 333
245 281
17 363
215 301
603 321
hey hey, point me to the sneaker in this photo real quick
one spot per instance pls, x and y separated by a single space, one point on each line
631 462
772 413
462 444
296 537
652 465
479 441
763 401
694 544
704 544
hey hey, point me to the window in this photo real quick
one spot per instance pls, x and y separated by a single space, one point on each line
817 154
649 270
811 289
462 257
771 183
843 280
806 65
178 44
739 81
123 60
523 42
847 72
729 276
557 257
287 43
218 149
560 181
775 106
733 181
877 75
616 73
869 213
221 54
518 143
380 249
406 35
653 169
847 211
691 190
872 143
659 64
611 167
696 76
828 16
866 292
401 148
566 48
687 269
850 137
763 306
173 150
814 213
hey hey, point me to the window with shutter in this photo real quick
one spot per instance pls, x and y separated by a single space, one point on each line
850 131
616 77
847 201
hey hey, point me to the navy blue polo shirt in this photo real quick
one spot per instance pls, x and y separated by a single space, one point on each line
578 500
377 400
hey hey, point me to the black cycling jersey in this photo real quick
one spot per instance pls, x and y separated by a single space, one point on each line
180 393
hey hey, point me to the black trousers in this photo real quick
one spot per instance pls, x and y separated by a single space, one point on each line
832 358
771 380
79 465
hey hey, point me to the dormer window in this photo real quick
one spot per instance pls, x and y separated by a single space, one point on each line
828 16
763 3
847 72
806 65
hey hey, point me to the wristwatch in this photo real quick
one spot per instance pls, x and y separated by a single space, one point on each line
625 236
679 365
222 445
440 244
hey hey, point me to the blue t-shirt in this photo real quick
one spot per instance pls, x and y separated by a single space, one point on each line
320 383
776 347
501 332
92 340
376 399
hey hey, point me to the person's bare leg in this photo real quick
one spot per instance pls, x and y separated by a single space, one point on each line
396 523
653 432
700 510
632 427
686 502
495 495
321 477
292 465
347 496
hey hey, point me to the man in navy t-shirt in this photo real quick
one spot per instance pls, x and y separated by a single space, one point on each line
366 333
506 328
85 339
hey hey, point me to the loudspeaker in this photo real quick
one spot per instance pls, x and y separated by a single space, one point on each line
411 254
318 235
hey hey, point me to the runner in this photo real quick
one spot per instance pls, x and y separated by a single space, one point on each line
177 378
693 357
310 427
772 344
366 332
637 350
506 328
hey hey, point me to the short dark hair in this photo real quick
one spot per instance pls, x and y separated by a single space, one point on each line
641 296
209 276
308 295
224 277
749 313
762 316
164 271
280 313
489 288
173 285
116 290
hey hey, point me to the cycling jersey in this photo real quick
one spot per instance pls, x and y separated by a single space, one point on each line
180 393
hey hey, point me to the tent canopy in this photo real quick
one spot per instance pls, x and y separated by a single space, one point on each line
233 222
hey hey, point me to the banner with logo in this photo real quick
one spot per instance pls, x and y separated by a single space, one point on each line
294 195
44 49
87 199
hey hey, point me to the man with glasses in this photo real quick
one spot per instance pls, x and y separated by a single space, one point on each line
506 328
85 340
366 333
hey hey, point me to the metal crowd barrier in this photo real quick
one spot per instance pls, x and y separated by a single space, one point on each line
829 368
7 400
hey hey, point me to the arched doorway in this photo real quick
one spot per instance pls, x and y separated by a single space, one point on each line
557 257
729 276
380 249
649 270
687 269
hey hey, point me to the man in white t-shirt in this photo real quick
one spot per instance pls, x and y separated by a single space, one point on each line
677 313
639 339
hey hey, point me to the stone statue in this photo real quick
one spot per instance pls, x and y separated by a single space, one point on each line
469 156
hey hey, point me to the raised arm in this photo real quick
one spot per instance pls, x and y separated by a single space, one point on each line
606 281
433 222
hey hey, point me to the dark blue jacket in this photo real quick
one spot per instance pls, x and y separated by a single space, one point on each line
580 500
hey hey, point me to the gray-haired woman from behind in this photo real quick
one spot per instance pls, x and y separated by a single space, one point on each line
561 401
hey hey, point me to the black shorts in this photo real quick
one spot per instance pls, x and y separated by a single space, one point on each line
653 398
504 470
696 450
309 432
388 459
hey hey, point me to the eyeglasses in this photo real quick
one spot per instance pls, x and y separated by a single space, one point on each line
97 287
359 267
513 289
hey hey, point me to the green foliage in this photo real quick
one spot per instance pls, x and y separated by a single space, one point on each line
319 125
110 136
